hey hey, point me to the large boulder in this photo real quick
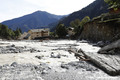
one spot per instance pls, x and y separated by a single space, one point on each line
111 48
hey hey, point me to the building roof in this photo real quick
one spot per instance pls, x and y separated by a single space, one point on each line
39 30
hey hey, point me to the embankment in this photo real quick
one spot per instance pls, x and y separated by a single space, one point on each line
102 28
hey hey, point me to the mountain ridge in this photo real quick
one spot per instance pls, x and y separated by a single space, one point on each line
38 19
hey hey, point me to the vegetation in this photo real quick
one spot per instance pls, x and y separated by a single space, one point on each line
17 33
78 25
7 33
61 31
113 3
85 20
52 34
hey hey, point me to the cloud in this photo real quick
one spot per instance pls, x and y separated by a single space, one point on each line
60 6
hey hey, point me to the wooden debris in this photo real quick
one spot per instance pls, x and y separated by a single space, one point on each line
79 54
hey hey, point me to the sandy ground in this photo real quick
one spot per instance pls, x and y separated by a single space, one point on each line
70 71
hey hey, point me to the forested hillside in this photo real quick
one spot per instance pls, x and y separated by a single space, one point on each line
94 9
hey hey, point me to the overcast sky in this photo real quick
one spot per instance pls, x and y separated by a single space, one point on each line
15 8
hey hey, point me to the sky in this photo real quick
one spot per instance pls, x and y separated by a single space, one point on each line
10 9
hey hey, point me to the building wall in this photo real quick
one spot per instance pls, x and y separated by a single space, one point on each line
45 34
38 34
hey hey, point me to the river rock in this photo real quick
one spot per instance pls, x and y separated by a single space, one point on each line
100 43
14 64
39 57
66 66
53 55
32 50
5 66
44 72
0 67
13 45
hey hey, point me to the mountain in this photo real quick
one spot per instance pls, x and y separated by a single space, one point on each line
38 19
94 9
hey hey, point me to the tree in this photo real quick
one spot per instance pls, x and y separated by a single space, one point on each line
52 34
78 25
4 31
85 20
11 33
7 33
75 24
17 33
20 30
61 30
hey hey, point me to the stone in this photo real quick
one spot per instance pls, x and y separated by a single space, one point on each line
65 66
14 64
18 72
0 67
16 51
25 46
88 69
44 65
100 43
21 50
111 48
36 67
39 57
38 51
44 72
53 55
12 48
32 50
58 56
73 63
5 66
12 45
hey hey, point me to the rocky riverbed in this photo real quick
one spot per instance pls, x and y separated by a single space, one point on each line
47 60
